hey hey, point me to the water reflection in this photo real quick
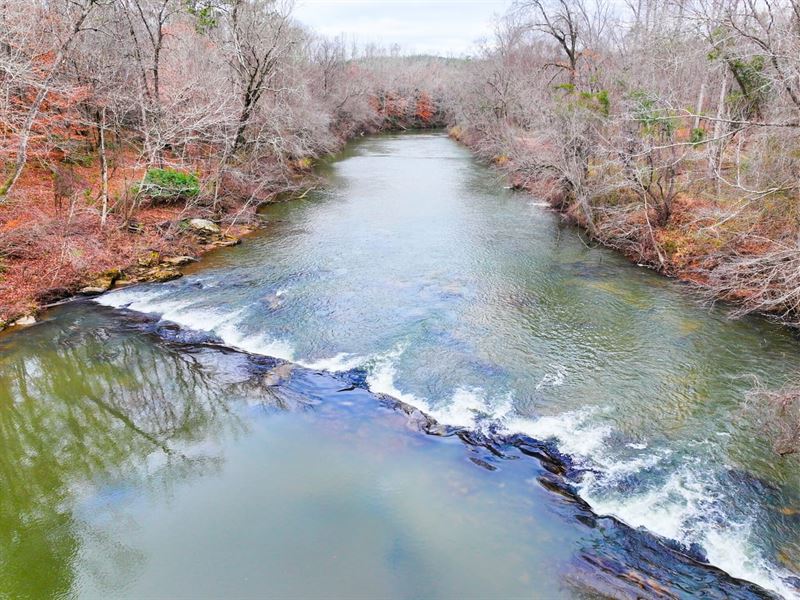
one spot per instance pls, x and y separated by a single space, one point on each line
134 465
485 311
81 404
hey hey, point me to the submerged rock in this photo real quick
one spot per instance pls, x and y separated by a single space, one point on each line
273 301
278 375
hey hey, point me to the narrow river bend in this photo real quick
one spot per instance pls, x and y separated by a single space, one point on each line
152 447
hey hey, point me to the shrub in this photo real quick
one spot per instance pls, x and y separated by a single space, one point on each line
303 164
697 136
168 185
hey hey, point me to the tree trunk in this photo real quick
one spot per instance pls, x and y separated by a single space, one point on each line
715 147
699 109
103 167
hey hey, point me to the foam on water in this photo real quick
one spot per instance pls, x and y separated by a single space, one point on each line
255 343
572 432
381 380
681 506
339 363
126 297
185 313
227 326
685 509
468 407
555 379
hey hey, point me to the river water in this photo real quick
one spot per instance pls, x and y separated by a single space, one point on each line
150 447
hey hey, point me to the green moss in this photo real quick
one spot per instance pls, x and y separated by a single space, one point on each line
669 246
168 185
80 159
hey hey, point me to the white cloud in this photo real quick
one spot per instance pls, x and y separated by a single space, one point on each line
443 27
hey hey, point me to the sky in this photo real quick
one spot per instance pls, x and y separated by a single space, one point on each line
441 27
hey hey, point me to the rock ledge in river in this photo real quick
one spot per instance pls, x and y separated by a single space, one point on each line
103 282
162 273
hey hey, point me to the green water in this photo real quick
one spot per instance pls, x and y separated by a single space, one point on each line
142 462
135 468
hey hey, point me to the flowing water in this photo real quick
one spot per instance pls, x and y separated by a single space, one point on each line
150 448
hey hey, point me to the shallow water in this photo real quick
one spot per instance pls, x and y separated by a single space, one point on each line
148 467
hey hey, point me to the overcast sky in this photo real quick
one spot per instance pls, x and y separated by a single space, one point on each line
443 27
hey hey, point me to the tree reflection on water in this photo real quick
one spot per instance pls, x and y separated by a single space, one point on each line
84 402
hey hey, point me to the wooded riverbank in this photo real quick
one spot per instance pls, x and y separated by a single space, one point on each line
123 121
668 133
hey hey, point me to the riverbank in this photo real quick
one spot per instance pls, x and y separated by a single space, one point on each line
51 252
729 247
52 248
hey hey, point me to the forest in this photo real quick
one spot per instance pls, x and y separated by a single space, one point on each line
121 120
138 130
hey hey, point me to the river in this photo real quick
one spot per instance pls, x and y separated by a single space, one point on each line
235 432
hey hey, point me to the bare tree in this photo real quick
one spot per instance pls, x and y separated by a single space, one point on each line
147 22
259 36
564 21
77 13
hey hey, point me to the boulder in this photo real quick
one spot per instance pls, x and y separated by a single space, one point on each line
103 282
165 273
203 226
92 290
225 242
177 261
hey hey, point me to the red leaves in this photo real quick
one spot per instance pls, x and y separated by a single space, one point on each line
416 109
425 109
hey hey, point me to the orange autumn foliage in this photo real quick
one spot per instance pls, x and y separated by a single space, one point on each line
425 109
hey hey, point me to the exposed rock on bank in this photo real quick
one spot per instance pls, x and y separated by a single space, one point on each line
198 235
